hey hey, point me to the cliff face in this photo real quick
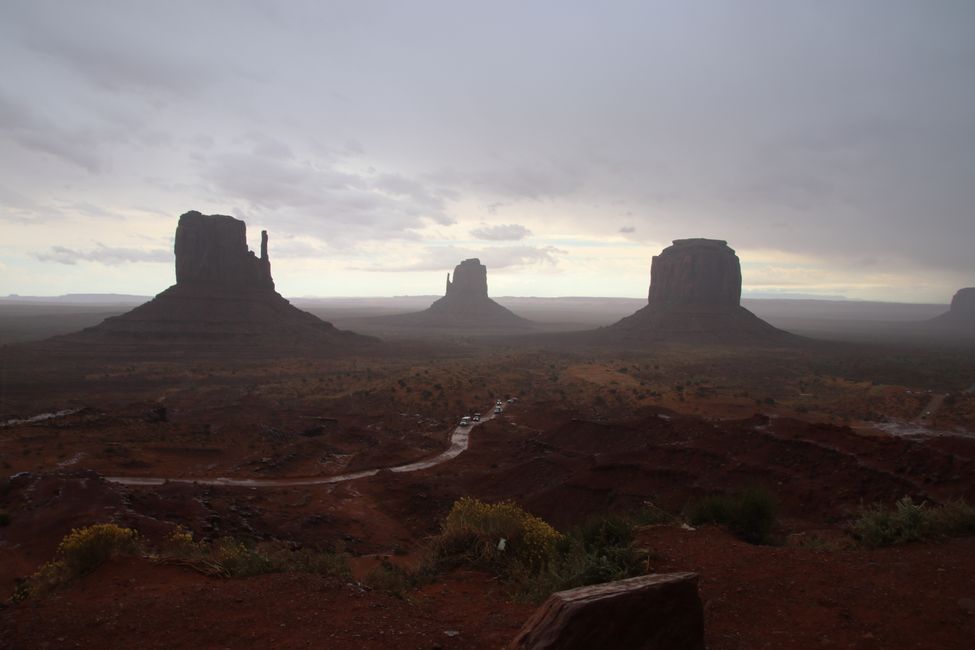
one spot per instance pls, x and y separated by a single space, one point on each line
695 295
961 315
211 250
696 272
470 280
963 304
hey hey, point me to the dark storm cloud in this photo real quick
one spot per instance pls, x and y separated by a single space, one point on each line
110 255
502 232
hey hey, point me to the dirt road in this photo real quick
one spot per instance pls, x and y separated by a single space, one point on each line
459 441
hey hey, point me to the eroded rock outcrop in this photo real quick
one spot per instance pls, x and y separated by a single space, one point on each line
652 612
702 272
961 315
695 295
211 250
465 305
470 281
223 293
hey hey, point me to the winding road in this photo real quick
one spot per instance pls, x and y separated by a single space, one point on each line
459 441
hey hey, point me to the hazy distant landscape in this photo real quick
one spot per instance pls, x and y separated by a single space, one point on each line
34 318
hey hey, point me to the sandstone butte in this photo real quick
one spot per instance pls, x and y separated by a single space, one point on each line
224 293
695 296
465 305
961 315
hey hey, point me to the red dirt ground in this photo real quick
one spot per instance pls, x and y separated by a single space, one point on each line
920 596
610 445
787 598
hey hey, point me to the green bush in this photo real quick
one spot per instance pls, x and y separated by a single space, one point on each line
955 518
750 515
880 526
535 559
600 550
907 521
229 557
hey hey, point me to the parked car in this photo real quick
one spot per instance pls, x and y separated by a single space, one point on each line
465 421
498 410
476 418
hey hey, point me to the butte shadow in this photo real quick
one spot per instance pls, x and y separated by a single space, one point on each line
224 294
695 297
465 307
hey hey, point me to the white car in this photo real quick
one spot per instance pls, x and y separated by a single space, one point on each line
498 410
465 421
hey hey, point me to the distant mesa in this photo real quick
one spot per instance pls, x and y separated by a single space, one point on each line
695 296
223 292
465 305
961 315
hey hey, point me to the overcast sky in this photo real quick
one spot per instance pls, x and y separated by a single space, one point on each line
831 143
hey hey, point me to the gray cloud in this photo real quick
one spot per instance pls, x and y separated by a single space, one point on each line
30 128
445 258
349 124
508 232
109 255
321 199
121 59
535 182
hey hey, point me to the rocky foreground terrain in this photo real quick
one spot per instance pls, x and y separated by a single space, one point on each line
592 432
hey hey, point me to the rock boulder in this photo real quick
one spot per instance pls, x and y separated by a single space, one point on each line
653 612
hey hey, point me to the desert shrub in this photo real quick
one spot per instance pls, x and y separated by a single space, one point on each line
906 521
953 518
229 557
750 514
85 549
878 525
473 531
80 552
535 559
600 550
